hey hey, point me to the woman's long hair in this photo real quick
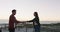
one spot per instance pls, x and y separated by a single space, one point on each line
36 14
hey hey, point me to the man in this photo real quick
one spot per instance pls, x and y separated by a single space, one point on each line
12 21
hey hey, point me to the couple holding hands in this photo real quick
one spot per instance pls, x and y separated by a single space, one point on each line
12 21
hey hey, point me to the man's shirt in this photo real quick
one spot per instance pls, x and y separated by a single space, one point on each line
12 20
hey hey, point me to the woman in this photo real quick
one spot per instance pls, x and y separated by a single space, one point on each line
36 22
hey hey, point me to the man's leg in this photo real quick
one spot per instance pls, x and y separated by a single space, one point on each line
11 30
0 30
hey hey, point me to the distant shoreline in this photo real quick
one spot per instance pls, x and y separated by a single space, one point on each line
41 22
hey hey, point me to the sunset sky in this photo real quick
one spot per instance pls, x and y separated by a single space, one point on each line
48 10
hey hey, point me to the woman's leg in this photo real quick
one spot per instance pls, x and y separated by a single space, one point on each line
37 28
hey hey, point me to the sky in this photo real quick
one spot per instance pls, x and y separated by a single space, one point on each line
48 10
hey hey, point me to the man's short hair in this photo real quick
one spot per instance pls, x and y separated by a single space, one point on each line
13 10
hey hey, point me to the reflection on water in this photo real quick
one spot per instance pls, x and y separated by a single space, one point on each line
43 29
20 30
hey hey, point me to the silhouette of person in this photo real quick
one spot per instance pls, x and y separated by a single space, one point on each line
12 21
36 22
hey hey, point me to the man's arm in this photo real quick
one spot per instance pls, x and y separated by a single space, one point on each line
20 21
31 20
16 21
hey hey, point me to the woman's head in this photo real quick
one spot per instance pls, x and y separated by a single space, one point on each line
35 14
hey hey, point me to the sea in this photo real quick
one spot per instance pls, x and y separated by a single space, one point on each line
24 29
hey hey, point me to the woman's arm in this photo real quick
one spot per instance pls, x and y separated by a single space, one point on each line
31 20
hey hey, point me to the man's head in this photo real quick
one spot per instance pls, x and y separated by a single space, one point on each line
13 11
